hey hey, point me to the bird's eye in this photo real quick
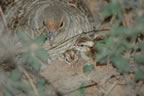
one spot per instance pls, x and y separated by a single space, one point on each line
82 45
61 25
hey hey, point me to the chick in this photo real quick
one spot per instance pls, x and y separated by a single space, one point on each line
71 57
85 46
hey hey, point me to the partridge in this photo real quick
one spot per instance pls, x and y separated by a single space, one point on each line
71 57
63 21
85 46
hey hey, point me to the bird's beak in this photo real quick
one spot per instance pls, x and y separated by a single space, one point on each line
51 35
76 47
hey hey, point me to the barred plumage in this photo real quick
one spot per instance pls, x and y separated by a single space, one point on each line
53 13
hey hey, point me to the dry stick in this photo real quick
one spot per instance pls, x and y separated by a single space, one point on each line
110 89
86 86
105 79
84 33
43 30
32 84
112 19
3 18
109 75
126 20
101 90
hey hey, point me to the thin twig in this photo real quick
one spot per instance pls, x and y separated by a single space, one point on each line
32 84
86 86
112 19
109 75
43 30
110 89
4 19
97 32
125 19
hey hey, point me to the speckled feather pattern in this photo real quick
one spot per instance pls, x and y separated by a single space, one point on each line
77 22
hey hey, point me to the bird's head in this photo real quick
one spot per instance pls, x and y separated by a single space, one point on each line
83 44
54 21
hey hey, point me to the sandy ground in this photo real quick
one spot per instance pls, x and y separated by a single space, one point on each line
68 80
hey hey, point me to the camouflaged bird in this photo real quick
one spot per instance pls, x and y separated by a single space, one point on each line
63 21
